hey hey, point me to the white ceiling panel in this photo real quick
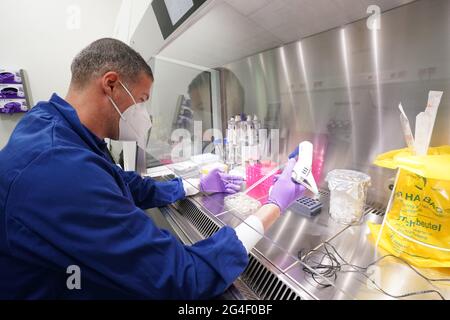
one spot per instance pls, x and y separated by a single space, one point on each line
220 34
247 7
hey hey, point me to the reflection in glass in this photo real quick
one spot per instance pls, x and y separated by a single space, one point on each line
181 108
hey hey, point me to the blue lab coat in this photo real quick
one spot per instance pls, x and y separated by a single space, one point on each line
64 202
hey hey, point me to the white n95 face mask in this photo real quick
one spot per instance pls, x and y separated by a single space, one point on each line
134 123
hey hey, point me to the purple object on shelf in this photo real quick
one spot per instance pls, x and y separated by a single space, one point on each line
9 93
6 77
10 77
11 107
12 91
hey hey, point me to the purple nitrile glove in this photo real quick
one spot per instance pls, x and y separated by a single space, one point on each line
218 181
285 191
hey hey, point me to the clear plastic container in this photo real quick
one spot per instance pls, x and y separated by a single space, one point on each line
241 204
348 193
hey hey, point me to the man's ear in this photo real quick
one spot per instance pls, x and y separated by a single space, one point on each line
109 81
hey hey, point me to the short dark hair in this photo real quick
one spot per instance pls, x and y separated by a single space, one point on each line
105 55
202 80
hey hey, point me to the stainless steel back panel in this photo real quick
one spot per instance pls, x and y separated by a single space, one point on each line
344 86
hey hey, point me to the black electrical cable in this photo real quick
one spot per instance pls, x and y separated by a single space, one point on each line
330 265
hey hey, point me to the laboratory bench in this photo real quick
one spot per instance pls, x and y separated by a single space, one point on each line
277 269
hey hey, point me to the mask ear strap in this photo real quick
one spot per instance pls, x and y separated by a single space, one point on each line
128 91
115 107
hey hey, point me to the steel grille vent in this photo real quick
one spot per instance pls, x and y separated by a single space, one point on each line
261 281
372 210
265 284
324 194
203 224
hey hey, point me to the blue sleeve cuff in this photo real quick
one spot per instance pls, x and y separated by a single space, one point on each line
182 193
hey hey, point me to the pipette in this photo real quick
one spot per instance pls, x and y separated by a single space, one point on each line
302 173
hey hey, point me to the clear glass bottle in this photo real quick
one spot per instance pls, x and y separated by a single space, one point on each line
255 148
229 154
237 141
218 149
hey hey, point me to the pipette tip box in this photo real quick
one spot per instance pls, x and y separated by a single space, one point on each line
307 206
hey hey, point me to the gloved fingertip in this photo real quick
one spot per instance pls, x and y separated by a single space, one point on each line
289 167
232 178
234 187
301 188
216 170
291 164
201 187
238 182
292 161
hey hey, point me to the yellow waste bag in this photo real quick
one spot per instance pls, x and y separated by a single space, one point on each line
417 226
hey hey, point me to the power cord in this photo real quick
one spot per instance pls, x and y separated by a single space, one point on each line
331 263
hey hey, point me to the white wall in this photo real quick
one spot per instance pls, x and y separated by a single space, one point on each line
130 14
44 36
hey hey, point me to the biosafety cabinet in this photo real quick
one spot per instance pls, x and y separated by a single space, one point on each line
332 72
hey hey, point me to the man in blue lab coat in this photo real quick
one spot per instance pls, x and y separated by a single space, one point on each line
67 210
